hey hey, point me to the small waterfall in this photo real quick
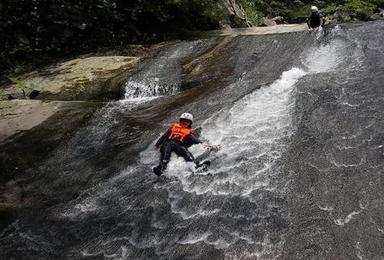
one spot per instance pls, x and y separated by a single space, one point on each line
163 75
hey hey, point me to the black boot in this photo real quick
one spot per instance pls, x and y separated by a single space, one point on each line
203 165
159 170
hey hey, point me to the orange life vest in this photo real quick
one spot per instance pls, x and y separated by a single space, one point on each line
179 132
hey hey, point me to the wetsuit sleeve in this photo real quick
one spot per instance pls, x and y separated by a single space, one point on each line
191 140
194 140
308 21
163 138
322 20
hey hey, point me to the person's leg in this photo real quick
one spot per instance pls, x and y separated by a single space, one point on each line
165 155
202 157
315 23
183 152
188 156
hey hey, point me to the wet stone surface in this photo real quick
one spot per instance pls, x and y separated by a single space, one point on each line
299 117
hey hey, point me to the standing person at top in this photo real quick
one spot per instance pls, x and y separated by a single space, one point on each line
177 139
315 19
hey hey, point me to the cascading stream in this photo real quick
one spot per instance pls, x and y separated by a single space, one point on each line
254 133
297 176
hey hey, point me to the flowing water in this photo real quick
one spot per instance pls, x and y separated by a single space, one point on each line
299 175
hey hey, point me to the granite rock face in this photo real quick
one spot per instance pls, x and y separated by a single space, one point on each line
71 92
89 78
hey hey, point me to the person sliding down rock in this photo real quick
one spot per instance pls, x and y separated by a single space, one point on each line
315 19
177 139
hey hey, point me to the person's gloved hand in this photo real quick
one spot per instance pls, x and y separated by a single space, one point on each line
212 147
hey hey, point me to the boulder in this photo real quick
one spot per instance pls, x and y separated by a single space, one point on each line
377 16
332 18
278 19
267 22
31 129
22 115
88 78
18 116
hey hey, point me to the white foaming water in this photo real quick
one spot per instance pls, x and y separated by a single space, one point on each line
255 130
150 87
347 219
332 55
252 134
321 59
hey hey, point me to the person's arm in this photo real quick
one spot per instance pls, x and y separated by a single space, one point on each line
323 21
308 22
162 138
197 131
192 139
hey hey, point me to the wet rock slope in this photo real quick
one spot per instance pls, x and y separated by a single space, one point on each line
299 176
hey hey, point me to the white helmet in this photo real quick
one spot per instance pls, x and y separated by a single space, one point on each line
314 8
187 116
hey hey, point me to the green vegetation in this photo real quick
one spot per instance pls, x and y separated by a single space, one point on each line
36 32
296 10
357 9
251 10
40 30
25 86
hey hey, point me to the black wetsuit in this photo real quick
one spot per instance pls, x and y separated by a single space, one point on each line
167 146
315 19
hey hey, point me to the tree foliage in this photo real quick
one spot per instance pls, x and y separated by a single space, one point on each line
292 10
32 28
